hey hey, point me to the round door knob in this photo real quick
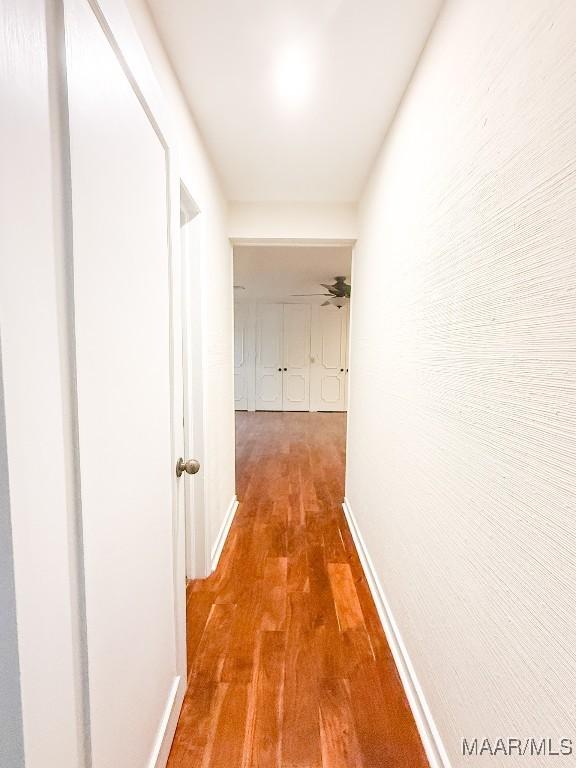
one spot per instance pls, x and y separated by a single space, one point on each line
280 369
285 369
191 466
341 370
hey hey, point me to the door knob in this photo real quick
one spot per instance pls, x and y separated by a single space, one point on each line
191 466
280 369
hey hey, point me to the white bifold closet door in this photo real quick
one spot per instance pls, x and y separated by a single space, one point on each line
283 357
269 357
296 367
329 354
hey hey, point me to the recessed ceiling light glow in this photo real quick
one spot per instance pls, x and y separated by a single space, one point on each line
294 76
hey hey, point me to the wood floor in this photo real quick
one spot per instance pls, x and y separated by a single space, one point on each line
288 664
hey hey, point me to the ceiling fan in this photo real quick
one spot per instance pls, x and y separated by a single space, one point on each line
338 292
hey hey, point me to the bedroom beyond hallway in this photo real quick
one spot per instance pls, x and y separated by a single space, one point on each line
289 665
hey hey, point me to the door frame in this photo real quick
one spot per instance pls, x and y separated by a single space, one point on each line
292 241
191 246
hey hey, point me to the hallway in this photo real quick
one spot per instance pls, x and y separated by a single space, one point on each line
288 663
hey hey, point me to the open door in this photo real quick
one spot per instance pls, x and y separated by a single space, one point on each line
129 402
197 565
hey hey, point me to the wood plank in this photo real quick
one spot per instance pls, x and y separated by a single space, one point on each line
335 551
327 639
241 652
340 748
265 749
275 593
198 607
387 734
300 725
297 580
346 600
211 651
228 744
198 717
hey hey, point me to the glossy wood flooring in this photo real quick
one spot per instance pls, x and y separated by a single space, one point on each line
288 664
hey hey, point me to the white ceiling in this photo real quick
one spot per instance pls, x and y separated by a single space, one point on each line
274 273
357 57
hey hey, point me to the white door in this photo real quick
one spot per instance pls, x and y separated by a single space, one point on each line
122 279
296 358
329 348
269 354
197 560
241 369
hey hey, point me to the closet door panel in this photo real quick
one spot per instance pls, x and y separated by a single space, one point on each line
328 373
269 349
240 358
296 373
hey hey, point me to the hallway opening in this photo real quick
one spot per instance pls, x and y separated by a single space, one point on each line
288 662
291 326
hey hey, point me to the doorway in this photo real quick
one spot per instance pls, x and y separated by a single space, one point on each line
291 327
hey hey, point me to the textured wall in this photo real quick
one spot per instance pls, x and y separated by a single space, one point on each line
462 441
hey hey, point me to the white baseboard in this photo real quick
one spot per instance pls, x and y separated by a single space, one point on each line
223 533
431 740
163 740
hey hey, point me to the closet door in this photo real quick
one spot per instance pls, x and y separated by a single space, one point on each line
240 357
328 375
269 357
296 368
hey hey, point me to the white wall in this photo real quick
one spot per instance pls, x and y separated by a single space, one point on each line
214 281
292 221
33 328
461 466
